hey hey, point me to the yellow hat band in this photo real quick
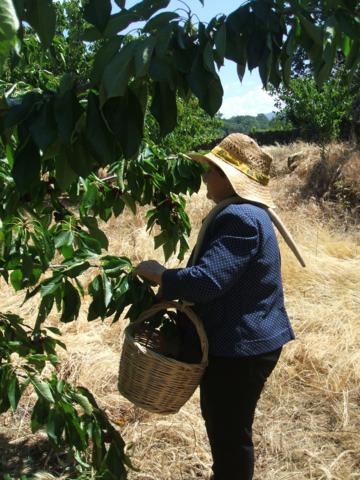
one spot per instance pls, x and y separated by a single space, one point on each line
242 166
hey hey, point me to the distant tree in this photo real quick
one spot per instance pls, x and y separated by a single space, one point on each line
194 127
317 113
246 123
68 53
279 123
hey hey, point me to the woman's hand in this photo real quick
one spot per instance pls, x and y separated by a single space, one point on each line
151 270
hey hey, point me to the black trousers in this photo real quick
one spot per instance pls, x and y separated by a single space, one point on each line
229 392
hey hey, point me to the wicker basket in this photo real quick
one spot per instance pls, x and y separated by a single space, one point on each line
151 380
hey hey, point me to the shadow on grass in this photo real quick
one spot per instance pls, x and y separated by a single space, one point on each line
28 456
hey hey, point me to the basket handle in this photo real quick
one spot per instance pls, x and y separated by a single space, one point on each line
157 307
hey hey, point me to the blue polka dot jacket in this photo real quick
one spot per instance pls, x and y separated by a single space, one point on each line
236 284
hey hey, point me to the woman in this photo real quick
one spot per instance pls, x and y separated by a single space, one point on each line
233 278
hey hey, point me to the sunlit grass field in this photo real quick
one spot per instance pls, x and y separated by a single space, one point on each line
307 424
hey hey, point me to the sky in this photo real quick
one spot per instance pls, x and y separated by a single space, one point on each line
246 98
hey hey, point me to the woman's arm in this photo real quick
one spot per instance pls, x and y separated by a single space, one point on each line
233 244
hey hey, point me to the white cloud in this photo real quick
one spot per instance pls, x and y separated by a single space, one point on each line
252 102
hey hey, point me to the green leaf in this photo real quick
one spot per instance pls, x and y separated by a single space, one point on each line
74 270
162 70
348 24
114 265
80 158
160 20
139 12
50 286
97 12
97 307
42 126
129 202
163 38
314 32
67 109
255 47
60 386
41 15
118 22
55 425
104 56
206 86
164 107
122 287
90 196
346 45
26 170
100 237
39 414
21 110
14 392
44 311
64 174
98 234
169 248
42 388
43 243
220 43
74 433
37 358
9 25
54 330
208 58
89 242
237 24
83 402
329 55
107 289
146 8
67 252
10 152
160 239
117 73
71 303
125 118
265 66
64 238
143 55
91 34
114 463
354 55
16 279
97 135
240 70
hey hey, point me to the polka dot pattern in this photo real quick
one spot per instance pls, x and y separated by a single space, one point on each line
236 285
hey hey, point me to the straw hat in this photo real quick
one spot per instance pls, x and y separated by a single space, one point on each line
247 167
245 164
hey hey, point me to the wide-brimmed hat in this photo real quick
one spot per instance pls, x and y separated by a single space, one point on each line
247 167
245 164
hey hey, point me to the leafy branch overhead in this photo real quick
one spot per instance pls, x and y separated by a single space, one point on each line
95 112
169 56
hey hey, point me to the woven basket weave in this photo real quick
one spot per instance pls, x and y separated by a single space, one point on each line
151 380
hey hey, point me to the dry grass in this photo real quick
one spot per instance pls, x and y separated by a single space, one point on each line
308 419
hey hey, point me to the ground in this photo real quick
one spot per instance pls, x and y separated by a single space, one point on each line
308 420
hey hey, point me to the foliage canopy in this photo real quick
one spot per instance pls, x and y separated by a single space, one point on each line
81 95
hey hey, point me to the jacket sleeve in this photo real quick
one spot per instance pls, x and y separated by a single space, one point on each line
233 243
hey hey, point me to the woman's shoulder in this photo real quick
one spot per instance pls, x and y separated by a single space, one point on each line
245 214
243 210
